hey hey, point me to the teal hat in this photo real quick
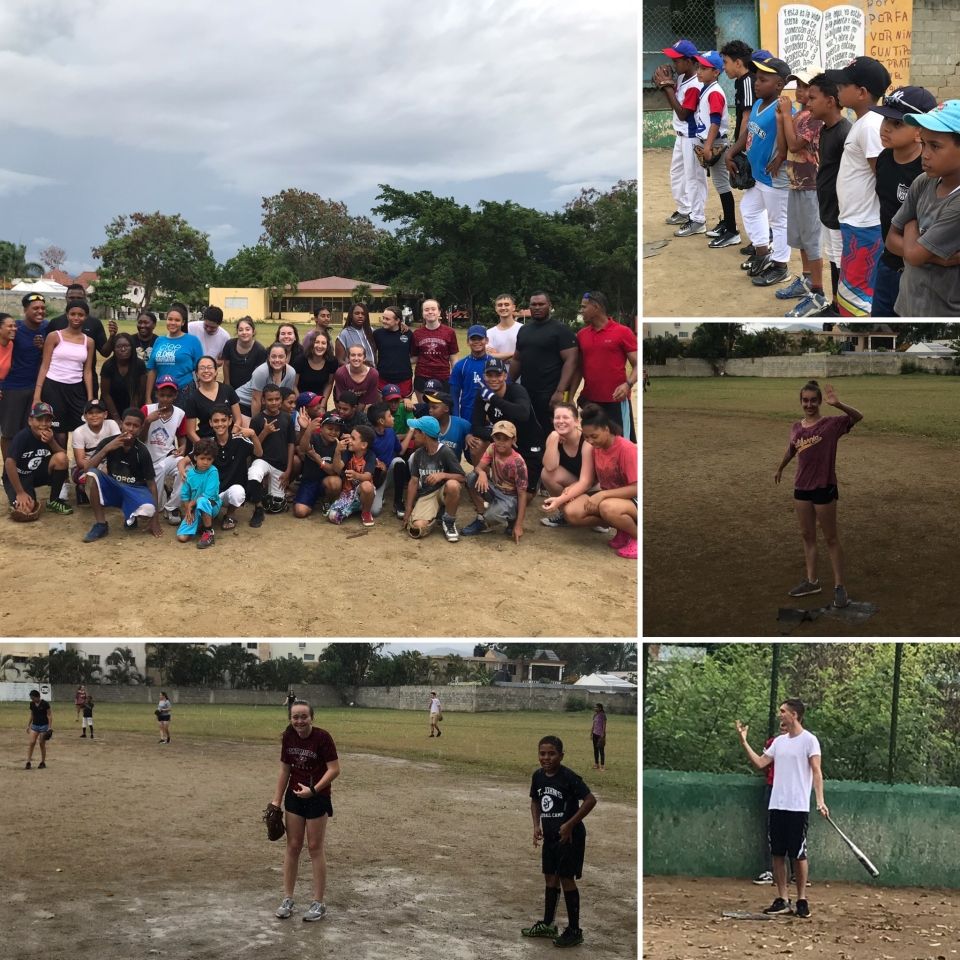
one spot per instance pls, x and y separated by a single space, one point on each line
945 118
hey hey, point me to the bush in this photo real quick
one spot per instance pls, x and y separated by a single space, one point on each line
575 705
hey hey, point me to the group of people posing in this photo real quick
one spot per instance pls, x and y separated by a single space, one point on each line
194 424
877 197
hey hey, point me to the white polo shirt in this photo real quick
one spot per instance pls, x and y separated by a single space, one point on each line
792 776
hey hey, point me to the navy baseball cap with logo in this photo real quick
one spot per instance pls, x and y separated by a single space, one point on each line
495 364
391 391
477 330
166 381
897 103
432 386
863 72
682 48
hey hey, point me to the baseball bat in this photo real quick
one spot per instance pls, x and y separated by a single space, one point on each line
857 852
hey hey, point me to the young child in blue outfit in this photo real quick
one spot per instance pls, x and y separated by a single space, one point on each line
200 495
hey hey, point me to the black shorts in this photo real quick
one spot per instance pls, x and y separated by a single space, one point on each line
616 412
68 401
821 495
39 478
163 717
14 406
310 808
564 859
787 832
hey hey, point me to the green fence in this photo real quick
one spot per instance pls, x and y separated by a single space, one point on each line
713 825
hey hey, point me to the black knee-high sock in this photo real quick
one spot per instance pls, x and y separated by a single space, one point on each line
254 492
834 278
729 210
401 477
57 480
572 899
550 900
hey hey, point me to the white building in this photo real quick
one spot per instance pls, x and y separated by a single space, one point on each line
307 652
681 329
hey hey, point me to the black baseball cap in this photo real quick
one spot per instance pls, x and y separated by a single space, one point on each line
864 72
898 103
773 65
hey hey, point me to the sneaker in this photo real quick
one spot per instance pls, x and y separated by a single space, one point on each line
173 517
749 250
676 218
721 227
829 311
366 518
27 767
569 938
602 529
779 906
130 524
808 306
797 290
317 911
691 228
97 531
478 526
59 506
804 588
620 540
765 878
401 513
285 908
207 539
629 550
728 238
539 929
257 519
449 525
42 765
803 909
754 264
772 273
840 598
554 520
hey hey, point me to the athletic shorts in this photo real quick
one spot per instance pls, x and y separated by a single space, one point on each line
620 413
405 386
39 478
787 833
564 859
831 245
14 406
309 492
163 717
310 808
134 500
68 401
820 495
803 222
503 506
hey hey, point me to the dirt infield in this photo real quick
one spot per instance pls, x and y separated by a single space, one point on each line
306 577
125 848
682 921
722 546
673 278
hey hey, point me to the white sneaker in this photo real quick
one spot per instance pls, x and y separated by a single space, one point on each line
317 911
285 908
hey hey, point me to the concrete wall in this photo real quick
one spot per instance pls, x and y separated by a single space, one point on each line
935 57
319 696
680 367
912 834
808 365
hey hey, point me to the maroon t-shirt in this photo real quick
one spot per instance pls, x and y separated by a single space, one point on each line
816 448
307 756
433 349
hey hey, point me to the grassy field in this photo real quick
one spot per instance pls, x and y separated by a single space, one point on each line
500 744
915 405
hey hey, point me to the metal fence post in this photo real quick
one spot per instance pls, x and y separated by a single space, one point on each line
774 684
894 709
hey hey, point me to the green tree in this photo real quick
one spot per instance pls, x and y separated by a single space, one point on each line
661 347
124 668
396 670
361 292
763 343
714 341
14 263
250 267
110 292
345 665
280 279
163 252
282 673
38 668
192 667
317 237
233 664
161 657
66 666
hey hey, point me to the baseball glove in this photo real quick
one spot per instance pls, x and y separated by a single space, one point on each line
19 516
273 817
742 178
48 735
708 160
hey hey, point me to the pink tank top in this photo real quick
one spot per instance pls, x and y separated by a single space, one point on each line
67 360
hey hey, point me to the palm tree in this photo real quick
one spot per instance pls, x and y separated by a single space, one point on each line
14 263
8 662
38 668
124 667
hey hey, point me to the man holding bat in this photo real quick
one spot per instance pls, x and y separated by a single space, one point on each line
797 755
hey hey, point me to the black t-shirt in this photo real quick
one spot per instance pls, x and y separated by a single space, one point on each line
742 99
893 184
92 327
232 461
145 347
196 404
423 463
275 445
29 453
314 380
38 713
513 406
132 465
538 348
119 391
831 151
88 709
393 354
325 450
559 798
242 365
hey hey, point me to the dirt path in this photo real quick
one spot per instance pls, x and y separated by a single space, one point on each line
123 848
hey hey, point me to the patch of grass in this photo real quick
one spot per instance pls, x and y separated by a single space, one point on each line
503 745
915 406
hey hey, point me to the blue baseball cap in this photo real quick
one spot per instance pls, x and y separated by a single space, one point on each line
710 58
306 398
477 330
428 425
758 56
945 118
682 48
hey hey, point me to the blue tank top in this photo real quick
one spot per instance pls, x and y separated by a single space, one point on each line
762 144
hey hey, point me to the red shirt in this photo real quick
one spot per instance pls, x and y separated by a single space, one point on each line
307 756
617 465
603 358
816 448
433 350
368 390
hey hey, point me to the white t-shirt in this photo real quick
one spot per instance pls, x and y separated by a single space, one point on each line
435 705
503 341
162 434
212 343
856 182
792 776
84 437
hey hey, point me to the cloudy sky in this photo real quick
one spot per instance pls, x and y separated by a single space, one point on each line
114 106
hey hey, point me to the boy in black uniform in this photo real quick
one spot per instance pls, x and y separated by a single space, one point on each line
35 459
87 717
559 800
275 429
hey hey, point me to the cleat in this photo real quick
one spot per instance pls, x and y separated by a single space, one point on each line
718 229
540 929
97 531
677 218
728 238
808 306
207 539
569 938
796 291
691 228
554 520
257 519
772 273
59 506
450 529
840 598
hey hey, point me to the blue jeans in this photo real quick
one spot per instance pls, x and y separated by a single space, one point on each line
886 287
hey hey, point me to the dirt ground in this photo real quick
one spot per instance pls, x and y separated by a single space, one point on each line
721 544
674 275
308 577
682 921
123 848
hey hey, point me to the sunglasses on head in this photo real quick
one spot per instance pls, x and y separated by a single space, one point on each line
36 298
895 99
